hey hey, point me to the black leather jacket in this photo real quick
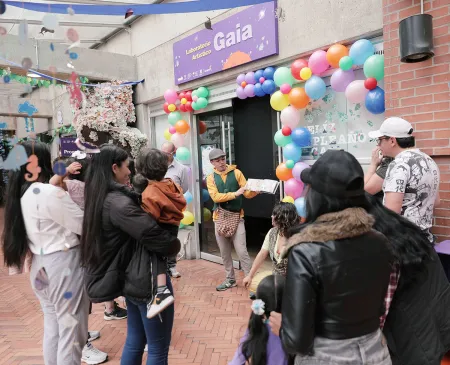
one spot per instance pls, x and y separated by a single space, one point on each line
337 277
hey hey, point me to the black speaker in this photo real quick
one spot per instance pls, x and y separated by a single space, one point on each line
416 38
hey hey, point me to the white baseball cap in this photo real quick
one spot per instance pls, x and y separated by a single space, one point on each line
393 127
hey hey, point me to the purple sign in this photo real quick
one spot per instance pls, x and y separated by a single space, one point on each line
247 36
68 146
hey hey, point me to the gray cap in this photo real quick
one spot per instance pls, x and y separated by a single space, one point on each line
216 153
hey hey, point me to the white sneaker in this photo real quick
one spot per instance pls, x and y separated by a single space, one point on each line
93 335
174 272
146 348
93 356
161 302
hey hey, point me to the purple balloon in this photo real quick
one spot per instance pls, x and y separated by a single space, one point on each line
341 79
250 90
240 79
297 170
241 93
250 78
293 188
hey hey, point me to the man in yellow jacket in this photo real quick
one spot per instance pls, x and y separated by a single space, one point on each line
226 186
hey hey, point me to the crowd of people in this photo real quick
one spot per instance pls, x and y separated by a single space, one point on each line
355 281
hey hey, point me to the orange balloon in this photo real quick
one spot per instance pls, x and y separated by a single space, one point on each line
202 127
335 53
181 126
298 98
283 173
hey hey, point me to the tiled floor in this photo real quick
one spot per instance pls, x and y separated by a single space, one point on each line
207 329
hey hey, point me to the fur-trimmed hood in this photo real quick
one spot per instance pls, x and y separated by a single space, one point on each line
351 222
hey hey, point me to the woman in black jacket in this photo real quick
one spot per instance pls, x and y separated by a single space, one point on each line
338 271
417 326
116 242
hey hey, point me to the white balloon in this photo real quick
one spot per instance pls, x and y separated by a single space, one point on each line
177 139
356 91
290 117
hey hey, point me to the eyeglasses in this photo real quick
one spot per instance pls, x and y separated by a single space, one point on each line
378 140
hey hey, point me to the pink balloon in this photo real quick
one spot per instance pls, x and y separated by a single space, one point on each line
240 92
177 139
171 96
290 117
318 62
172 130
341 79
297 170
285 88
356 92
293 188
195 98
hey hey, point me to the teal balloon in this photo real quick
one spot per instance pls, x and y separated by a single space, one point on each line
174 117
188 196
281 140
202 103
346 63
195 106
283 76
183 154
202 92
292 152
182 226
374 67
290 164
195 93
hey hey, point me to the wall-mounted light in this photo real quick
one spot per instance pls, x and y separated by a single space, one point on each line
416 38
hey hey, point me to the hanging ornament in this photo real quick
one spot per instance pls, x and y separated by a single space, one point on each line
33 169
72 35
27 63
50 21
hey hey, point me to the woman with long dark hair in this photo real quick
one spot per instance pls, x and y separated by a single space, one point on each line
338 271
43 219
417 326
260 346
117 239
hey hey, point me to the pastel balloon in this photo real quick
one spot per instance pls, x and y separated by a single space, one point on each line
172 107
356 92
374 67
283 172
188 218
202 92
183 154
258 75
297 66
240 92
315 87
298 98
259 91
290 117
288 199
283 76
300 205
170 96
279 101
341 79
188 196
250 78
346 63
293 188
292 152
290 164
174 117
182 127
318 62
268 73
167 135
361 50
240 79
297 170
335 54
269 87
285 88
250 90
172 130
281 140
305 73
202 102
375 101
301 137
177 139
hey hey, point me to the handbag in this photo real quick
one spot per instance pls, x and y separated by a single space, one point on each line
227 222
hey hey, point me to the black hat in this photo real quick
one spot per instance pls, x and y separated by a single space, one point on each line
337 173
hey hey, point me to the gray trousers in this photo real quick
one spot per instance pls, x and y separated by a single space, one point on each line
65 304
370 349
238 240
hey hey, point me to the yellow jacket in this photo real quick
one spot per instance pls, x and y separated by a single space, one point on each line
224 197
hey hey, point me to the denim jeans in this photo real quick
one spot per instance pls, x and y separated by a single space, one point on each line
154 332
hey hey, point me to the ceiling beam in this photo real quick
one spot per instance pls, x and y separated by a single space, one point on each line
68 24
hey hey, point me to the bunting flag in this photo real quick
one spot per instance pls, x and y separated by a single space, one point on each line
138 9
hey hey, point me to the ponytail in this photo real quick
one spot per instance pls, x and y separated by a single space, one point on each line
254 348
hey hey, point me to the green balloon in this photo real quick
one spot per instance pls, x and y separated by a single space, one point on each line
195 106
206 214
282 140
182 226
374 67
183 154
195 93
283 76
202 103
290 164
174 117
345 63
202 92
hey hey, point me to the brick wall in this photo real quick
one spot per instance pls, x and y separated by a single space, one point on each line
420 92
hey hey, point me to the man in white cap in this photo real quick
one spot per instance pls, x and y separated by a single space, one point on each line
411 187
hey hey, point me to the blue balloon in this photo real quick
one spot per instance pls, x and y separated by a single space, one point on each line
361 50
258 75
259 90
301 207
301 137
188 197
375 101
292 152
205 195
315 87
269 86
268 73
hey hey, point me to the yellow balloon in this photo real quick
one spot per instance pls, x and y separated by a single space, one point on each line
167 135
188 218
288 199
183 101
279 101
305 73
172 107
